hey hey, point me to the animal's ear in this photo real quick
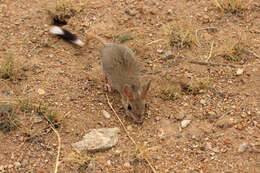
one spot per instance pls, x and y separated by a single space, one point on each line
128 92
145 89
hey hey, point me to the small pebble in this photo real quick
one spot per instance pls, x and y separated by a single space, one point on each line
185 123
157 118
106 114
180 116
138 15
109 162
169 11
168 54
242 147
160 51
17 165
41 91
129 127
202 101
240 71
127 164
24 163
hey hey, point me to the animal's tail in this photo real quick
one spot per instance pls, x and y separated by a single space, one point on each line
66 35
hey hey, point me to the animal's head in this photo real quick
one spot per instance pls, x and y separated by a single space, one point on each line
134 101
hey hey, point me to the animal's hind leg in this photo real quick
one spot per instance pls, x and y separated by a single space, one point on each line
107 85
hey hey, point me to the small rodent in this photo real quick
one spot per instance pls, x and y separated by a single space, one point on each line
121 71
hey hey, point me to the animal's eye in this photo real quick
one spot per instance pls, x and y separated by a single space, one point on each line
129 107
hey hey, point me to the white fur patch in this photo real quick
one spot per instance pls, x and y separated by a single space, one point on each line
78 42
56 30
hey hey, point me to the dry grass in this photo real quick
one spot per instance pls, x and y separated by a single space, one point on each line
169 90
26 106
196 86
233 51
82 160
182 35
173 90
232 6
9 70
8 120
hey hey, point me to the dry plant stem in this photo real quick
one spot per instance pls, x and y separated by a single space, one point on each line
253 53
210 53
59 144
122 124
218 5
206 28
58 136
155 41
211 64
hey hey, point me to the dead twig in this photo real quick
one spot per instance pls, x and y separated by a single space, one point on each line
210 53
155 41
253 53
174 63
122 124
211 64
59 143
206 28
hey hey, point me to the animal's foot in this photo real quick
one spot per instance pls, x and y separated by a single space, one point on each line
107 87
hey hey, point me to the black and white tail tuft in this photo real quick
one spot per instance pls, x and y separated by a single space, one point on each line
66 35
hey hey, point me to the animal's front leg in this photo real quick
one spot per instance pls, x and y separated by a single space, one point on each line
107 85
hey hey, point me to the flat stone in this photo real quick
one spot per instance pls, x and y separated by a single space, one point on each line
98 139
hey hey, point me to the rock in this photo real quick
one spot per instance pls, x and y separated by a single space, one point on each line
211 113
31 154
161 133
127 164
109 162
160 51
240 71
138 16
180 116
169 11
157 118
131 12
205 19
196 138
17 165
202 101
225 122
129 128
211 116
37 119
106 114
168 54
185 123
41 91
209 147
242 147
98 139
